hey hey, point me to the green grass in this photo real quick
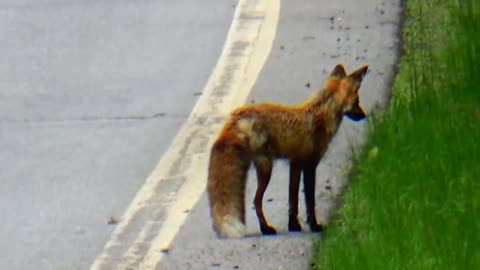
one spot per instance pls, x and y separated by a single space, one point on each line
414 197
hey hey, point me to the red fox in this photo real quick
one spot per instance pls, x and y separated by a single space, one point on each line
260 133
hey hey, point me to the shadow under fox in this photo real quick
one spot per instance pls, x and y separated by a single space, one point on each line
261 133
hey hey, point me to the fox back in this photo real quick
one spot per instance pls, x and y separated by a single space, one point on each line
302 131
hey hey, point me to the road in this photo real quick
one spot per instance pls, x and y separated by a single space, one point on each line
91 95
76 157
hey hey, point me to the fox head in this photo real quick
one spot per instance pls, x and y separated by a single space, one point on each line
345 90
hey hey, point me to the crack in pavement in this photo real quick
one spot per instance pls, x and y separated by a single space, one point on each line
90 119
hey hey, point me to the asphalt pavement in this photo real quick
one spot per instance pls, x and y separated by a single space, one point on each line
91 95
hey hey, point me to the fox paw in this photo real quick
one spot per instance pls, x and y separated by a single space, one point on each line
294 225
268 230
316 227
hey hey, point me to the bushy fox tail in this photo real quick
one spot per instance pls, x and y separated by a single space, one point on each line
227 173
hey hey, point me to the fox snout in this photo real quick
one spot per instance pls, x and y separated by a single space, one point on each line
356 114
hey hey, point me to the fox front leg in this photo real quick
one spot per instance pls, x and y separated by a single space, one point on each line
295 174
309 185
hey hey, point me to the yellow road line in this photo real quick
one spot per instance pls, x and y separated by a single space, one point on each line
246 49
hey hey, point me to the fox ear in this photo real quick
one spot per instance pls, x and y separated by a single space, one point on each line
359 73
338 71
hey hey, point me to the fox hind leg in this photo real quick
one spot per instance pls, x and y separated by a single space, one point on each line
263 166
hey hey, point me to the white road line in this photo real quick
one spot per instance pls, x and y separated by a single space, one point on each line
246 49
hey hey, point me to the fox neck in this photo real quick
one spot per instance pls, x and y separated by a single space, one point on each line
325 109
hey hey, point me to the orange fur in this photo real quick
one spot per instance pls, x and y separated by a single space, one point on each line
261 133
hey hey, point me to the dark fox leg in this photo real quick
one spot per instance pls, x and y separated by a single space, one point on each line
309 184
295 170
263 166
